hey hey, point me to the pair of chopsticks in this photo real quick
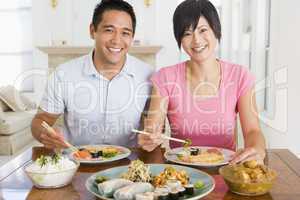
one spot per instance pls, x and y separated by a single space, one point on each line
52 131
163 136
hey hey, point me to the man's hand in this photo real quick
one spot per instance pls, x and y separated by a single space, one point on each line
53 141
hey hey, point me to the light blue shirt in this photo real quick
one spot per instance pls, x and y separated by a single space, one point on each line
97 110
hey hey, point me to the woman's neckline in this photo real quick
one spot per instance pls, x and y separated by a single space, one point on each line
203 98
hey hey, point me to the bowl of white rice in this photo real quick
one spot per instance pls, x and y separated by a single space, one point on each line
51 171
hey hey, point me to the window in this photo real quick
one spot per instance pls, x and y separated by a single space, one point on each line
267 51
247 40
16 49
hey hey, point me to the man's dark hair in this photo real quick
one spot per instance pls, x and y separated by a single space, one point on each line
107 5
187 15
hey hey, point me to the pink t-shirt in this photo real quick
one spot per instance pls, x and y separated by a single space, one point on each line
207 121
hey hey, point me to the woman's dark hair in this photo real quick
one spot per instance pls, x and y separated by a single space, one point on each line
107 5
187 15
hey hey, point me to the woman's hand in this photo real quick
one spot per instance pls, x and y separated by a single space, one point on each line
254 140
53 141
250 153
149 142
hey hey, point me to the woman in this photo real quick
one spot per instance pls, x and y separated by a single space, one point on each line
203 95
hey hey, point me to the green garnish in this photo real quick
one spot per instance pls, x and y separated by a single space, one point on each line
42 161
55 158
109 154
179 156
198 185
187 143
100 179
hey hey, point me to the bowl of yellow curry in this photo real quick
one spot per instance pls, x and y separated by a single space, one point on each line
248 178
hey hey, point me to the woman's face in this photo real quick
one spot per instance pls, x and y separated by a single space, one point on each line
201 43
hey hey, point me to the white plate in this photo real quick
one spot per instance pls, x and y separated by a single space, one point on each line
171 155
125 153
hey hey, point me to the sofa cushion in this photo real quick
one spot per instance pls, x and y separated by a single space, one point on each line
15 100
10 144
1 116
15 121
3 106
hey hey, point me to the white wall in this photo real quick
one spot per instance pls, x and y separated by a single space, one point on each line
81 15
69 22
41 37
164 33
283 129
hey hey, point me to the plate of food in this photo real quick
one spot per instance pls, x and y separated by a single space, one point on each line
140 181
99 153
199 156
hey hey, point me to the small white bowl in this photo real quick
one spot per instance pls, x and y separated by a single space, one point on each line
51 179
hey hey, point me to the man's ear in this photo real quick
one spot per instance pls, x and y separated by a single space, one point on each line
92 31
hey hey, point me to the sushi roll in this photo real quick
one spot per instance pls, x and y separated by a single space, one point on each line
161 191
163 196
174 194
189 189
173 183
181 191
94 154
194 151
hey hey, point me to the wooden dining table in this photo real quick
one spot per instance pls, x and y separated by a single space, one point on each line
16 185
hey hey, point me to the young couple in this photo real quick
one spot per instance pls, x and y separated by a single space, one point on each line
102 95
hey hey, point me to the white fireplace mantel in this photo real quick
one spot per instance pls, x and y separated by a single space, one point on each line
60 54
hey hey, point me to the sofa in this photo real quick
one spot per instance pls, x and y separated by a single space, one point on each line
15 123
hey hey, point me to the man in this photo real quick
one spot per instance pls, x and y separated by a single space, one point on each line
101 95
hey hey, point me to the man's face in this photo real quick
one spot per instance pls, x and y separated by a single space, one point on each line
113 37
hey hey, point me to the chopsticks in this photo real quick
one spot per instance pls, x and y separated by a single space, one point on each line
52 131
163 136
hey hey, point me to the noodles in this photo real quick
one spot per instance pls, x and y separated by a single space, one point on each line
137 172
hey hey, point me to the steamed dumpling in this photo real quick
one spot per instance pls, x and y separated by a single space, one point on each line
107 188
129 192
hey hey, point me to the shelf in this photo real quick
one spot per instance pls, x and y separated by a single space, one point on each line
79 50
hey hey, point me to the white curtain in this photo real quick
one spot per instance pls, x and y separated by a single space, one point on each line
16 43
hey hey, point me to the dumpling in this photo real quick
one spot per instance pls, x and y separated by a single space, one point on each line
108 188
129 192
